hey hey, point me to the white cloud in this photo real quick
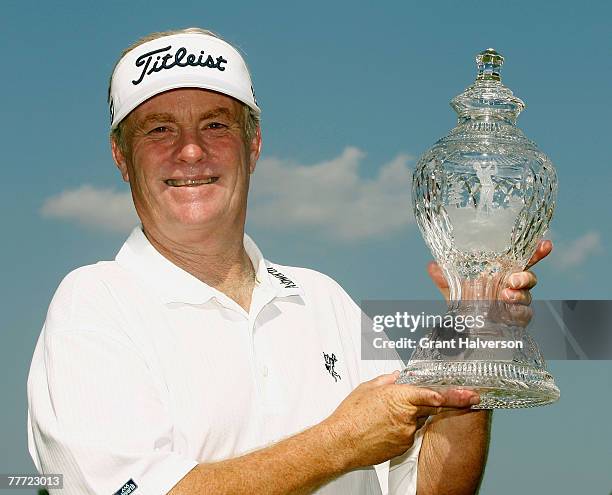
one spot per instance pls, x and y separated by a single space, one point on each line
574 253
105 209
332 198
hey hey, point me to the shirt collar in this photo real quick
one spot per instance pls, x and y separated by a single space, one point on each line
174 284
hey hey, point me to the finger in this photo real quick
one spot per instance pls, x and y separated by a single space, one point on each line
522 280
428 399
385 379
420 396
519 315
543 249
517 296
437 275
458 397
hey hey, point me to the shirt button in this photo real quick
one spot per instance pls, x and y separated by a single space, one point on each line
264 371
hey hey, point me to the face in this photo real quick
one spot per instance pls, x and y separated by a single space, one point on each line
188 162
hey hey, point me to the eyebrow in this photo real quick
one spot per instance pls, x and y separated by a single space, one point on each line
168 117
157 117
216 112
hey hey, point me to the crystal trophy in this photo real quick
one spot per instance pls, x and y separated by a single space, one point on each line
483 197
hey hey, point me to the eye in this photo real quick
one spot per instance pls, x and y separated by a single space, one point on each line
159 130
216 125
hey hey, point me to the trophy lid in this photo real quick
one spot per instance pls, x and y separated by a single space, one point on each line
488 98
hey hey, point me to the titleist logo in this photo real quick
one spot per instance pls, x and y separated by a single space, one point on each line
179 59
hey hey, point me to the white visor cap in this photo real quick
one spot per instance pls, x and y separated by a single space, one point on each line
188 60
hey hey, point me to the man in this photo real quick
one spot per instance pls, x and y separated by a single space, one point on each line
191 364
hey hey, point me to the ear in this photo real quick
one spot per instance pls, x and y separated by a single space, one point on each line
254 150
120 160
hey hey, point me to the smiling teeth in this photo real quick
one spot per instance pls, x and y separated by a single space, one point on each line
190 182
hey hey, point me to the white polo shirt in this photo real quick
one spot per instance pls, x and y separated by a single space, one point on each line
142 371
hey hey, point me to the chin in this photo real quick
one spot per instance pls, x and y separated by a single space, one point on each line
193 213
196 218
193 221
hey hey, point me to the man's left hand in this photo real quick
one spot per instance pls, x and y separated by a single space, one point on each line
519 283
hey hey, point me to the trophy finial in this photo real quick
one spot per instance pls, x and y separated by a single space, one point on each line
489 63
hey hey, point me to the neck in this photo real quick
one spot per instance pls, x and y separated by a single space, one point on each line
216 258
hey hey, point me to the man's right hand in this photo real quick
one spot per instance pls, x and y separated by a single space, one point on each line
378 420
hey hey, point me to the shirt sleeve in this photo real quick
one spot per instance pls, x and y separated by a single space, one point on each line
96 416
403 470
399 476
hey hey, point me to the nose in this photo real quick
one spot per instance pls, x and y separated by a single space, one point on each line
190 147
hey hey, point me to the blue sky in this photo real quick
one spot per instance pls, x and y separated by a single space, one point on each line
352 93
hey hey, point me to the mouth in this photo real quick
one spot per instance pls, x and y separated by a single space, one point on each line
190 182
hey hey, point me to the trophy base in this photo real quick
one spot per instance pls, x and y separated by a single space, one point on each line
501 384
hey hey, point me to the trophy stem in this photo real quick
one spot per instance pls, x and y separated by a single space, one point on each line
481 288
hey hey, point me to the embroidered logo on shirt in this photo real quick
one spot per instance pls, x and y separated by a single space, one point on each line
126 489
288 283
330 362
